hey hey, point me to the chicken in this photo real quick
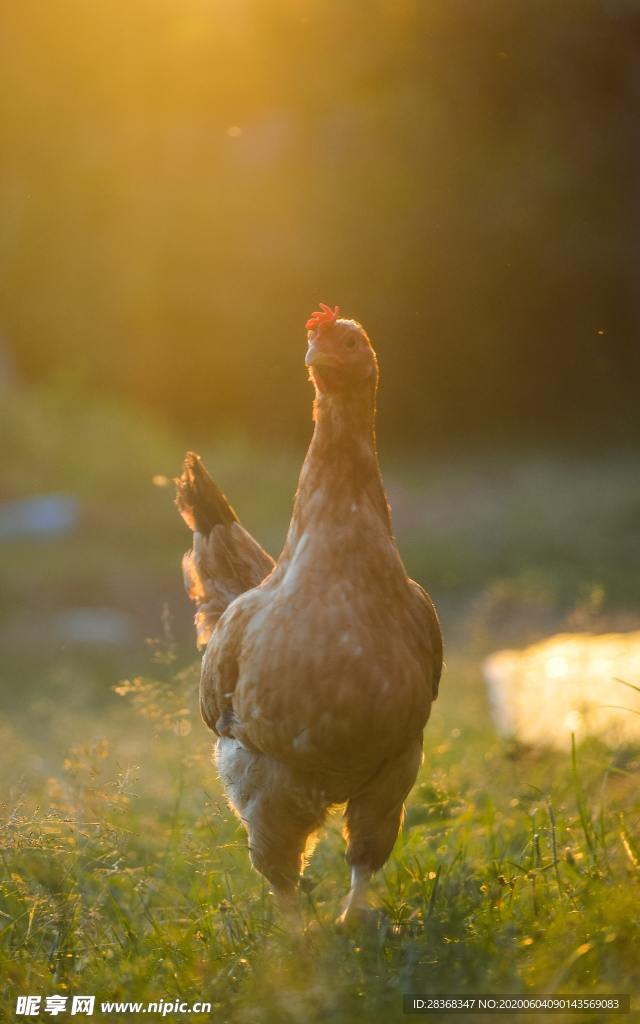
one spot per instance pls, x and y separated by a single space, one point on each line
320 669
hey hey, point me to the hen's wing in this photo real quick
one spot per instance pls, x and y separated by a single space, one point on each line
428 625
220 673
225 560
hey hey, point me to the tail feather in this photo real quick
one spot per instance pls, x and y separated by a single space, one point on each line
200 501
225 560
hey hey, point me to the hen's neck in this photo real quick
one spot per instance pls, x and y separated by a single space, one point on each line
341 476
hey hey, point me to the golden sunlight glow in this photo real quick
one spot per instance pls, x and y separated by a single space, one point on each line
567 684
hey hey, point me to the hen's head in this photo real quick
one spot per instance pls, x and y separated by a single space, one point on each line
340 356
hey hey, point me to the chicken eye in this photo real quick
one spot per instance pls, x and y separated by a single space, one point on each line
350 342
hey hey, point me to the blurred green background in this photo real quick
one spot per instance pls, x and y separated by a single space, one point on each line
182 182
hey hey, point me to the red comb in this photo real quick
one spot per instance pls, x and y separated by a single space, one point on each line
324 315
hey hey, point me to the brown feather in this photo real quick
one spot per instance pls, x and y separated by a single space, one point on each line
225 560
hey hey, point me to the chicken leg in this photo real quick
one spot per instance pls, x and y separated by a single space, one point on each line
280 811
372 820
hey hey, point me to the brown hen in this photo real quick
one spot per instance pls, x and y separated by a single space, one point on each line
320 669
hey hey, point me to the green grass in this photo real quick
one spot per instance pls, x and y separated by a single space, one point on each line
123 873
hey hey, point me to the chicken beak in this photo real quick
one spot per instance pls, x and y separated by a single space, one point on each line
317 356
